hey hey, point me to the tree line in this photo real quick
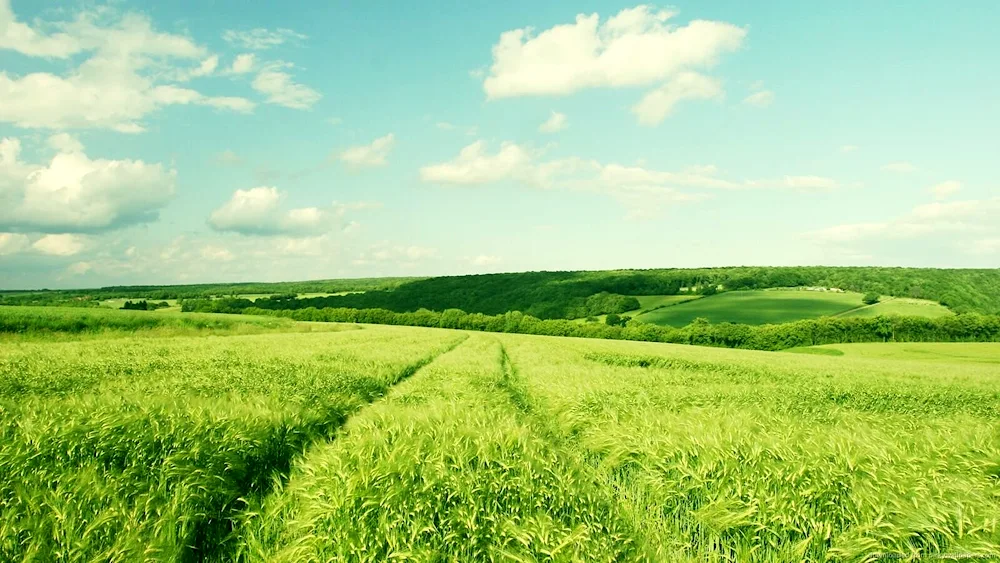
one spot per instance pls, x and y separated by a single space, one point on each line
970 327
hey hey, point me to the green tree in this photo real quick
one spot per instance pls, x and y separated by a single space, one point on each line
870 298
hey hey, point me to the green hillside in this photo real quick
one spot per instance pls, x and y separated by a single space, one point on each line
902 306
756 307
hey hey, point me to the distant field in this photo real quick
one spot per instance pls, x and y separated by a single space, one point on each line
756 307
256 296
904 307
963 352
647 302
117 304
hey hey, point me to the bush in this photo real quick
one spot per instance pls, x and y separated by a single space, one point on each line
870 298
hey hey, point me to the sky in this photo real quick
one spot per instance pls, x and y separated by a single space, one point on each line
217 140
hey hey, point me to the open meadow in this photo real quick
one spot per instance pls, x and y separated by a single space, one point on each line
375 443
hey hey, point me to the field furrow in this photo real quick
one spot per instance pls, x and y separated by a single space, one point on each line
147 449
443 469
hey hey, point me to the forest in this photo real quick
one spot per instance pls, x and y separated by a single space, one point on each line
570 295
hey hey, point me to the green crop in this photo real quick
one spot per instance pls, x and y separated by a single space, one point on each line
401 443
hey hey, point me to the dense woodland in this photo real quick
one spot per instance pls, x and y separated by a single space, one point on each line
569 295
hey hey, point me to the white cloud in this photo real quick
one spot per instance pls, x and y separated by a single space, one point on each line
243 64
73 193
257 212
335 121
555 123
945 189
848 148
656 105
760 99
633 48
644 191
13 243
485 260
474 166
373 154
900 167
260 38
115 87
279 88
59 245
79 268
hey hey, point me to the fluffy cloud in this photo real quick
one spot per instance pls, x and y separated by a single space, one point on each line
280 89
655 106
636 47
945 189
73 193
115 87
257 212
242 63
373 154
900 167
59 245
555 123
13 243
260 38
474 165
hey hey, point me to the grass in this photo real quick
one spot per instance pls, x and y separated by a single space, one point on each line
402 443
902 306
147 448
45 323
961 352
649 303
756 307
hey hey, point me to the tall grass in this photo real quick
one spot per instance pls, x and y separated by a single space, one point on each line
146 449
46 323
442 470
736 456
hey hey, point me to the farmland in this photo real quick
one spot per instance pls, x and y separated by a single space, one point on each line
756 307
408 443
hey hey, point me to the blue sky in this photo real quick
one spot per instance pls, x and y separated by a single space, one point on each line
213 141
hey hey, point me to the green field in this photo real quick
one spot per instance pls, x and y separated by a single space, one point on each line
401 443
902 306
756 307
948 352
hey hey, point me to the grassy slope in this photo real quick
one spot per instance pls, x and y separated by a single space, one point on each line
950 352
756 307
902 306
